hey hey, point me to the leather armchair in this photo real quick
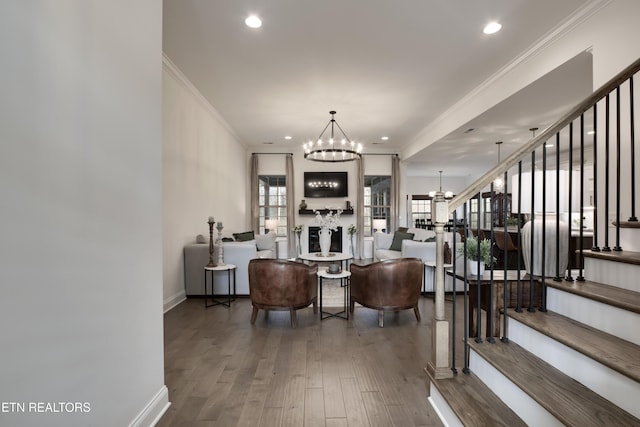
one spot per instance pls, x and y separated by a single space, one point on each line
390 285
276 284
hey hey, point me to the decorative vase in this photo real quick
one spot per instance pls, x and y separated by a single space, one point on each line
472 266
298 246
303 205
352 251
325 241
552 258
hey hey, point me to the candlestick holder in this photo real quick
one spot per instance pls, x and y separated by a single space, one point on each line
219 244
211 261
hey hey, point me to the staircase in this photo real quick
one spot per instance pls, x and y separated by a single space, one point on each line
575 360
577 364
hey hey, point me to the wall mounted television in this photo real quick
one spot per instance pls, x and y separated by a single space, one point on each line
325 184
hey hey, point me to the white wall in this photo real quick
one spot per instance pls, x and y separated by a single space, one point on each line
204 173
80 196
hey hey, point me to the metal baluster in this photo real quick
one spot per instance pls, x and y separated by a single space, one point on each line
595 247
519 286
532 256
557 277
568 276
455 300
617 247
580 277
504 338
633 217
607 119
465 314
490 327
479 295
544 231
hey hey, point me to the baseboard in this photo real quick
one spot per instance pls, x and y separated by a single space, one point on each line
154 410
174 300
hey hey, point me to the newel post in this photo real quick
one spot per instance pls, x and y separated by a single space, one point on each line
438 367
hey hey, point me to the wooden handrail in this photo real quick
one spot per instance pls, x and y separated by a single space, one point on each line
545 135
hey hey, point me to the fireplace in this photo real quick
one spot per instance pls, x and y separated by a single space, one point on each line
314 240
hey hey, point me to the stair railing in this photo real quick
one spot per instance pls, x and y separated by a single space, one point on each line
541 237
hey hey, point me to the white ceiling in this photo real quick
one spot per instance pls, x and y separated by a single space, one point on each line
388 68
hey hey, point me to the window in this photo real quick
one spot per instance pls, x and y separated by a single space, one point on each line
377 201
420 211
272 200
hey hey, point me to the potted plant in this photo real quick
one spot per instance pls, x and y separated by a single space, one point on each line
486 256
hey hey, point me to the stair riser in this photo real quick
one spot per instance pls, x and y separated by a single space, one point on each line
617 274
608 383
629 239
442 408
521 403
621 323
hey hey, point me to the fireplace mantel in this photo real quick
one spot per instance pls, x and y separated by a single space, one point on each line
324 211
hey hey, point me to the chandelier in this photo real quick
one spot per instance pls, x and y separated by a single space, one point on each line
447 194
332 151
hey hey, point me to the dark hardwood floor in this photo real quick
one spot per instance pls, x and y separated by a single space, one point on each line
222 371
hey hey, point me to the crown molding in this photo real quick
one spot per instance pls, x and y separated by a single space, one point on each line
175 72
564 28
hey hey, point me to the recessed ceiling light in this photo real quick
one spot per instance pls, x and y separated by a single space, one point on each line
253 21
267 142
385 138
287 137
591 132
492 28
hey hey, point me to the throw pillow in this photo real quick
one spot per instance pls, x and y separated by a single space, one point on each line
243 237
265 242
402 229
398 237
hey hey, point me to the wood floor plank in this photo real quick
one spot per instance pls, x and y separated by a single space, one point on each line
314 408
253 405
353 403
271 417
221 370
333 399
336 422
293 409
376 409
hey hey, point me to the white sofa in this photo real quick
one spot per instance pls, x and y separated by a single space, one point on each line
416 248
196 257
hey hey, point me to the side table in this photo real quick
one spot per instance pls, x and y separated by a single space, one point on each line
228 268
344 281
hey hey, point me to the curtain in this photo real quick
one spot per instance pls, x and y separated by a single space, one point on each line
395 193
360 205
291 218
255 202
